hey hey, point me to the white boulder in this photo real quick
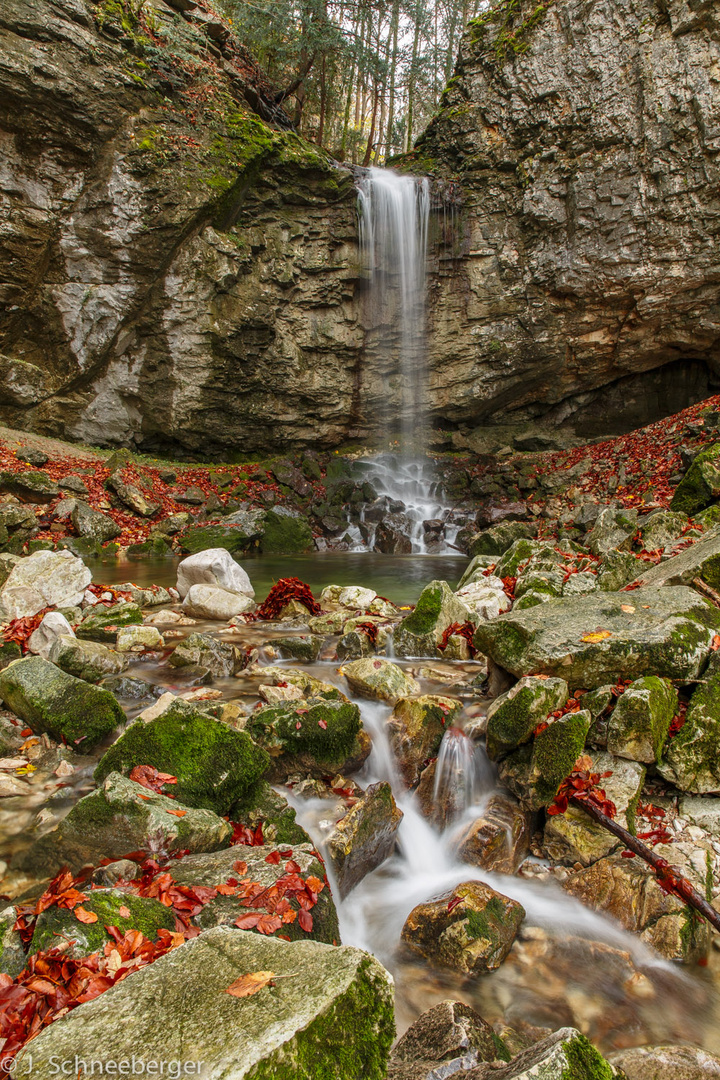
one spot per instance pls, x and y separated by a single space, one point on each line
215 566
355 596
43 579
214 602
53 626
485 598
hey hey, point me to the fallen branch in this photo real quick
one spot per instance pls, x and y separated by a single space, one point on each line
669 878
703 587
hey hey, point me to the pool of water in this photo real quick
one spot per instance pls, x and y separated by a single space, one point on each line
400 578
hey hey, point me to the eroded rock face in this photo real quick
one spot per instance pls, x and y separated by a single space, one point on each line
575 151
190 281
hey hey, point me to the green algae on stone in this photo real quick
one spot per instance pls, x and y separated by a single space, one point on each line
596 639
472 936
617 569
119 818
58 925
640 722
513 716
499 538
535 770
215 765
202 650
326 729
421 631
285 533
103 622
262 805
692 757
333 1018
88 660
204 537
701 484
51 701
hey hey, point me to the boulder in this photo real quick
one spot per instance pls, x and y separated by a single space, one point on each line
49 700
470 929
379 679
355 597
35 487
593 640
262 805
146 596
627 890
119 818
573 838
535 771
93 524
499 538
201 650
475 570
701 484
197 539
286 532
692 756
44 579
303 647
512 717
131 495
585 581
53 626
701 811
334 1017
415 730
520 553
32 456
485 598
60 923
214 566
499 839
102 623
364 838
215 765
564 1055
617 570
450 1036
265 865
613 531
215 602
660 529
701 560
88 660
316 735
421 631
12 949
640 722
135 638
665 1062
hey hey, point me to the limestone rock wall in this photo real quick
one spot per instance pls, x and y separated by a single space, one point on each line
586 136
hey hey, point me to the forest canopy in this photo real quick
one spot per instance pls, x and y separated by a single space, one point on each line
360 77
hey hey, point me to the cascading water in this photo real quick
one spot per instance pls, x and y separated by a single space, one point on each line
394 213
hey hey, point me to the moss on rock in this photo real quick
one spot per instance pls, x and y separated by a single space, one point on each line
56 926
215 765
102 623
639 725
513 716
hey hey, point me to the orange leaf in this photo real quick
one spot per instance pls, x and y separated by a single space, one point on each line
597 635
176 813
715 643
84 916
124 912
250 984
627 607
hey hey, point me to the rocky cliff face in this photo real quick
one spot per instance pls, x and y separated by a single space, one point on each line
586 136
178 275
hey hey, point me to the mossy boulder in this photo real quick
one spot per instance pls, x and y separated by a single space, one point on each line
420 633
36 487
93 526
12 950
204 651
640 722
215 765
692 757
416 729
303 647
617 570
333 1018
379 679
520 552
57 924
535 771
364 838
513 716
286 533
701 560
262 805
661 528
314 734
49 700
265 865
497 539
572 837
119 818
596 639
103 623
564 1055
701 484
89 660
232 538
470 929
613 531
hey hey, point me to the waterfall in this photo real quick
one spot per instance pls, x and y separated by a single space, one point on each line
394 213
